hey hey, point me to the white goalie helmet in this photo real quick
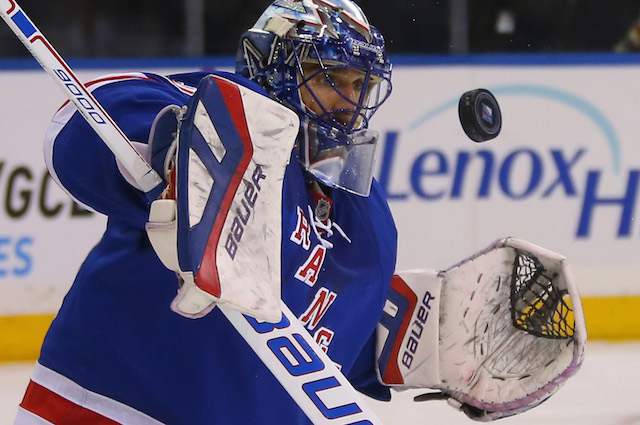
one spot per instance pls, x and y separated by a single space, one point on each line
296 41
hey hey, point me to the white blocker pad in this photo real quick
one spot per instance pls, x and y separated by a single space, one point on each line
233 147
496 334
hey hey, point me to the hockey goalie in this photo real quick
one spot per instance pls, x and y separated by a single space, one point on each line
268 194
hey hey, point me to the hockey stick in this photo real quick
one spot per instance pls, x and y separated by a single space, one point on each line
77 93
286 348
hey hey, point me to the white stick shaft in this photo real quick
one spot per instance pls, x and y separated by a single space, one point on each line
77 93
286 348
304 370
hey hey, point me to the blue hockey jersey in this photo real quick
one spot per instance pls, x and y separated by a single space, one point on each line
116 343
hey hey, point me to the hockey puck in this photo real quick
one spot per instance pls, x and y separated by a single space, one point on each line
480 115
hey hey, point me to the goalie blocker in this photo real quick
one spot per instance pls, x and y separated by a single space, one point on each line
496 334
218 222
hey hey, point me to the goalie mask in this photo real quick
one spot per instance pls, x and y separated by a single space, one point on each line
324 60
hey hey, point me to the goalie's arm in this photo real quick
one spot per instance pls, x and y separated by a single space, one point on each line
83 165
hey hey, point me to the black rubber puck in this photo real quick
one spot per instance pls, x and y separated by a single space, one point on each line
480 115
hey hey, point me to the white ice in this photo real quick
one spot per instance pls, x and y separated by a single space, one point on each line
605 392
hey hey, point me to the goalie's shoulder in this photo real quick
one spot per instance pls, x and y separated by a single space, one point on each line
184 83
136 81
192 79
113 90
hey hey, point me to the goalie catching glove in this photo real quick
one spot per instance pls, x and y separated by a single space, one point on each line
496 334
218 222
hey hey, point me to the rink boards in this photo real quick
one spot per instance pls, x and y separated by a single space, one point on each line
564 174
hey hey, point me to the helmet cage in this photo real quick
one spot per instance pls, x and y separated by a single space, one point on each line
276 63
374 91
336 147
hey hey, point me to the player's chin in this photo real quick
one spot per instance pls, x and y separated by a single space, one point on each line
344 119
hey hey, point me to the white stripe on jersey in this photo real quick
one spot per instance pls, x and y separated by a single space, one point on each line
24 417
86 399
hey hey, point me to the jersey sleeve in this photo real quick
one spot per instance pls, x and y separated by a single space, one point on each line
82 164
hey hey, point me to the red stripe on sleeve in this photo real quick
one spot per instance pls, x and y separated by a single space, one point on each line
58 410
